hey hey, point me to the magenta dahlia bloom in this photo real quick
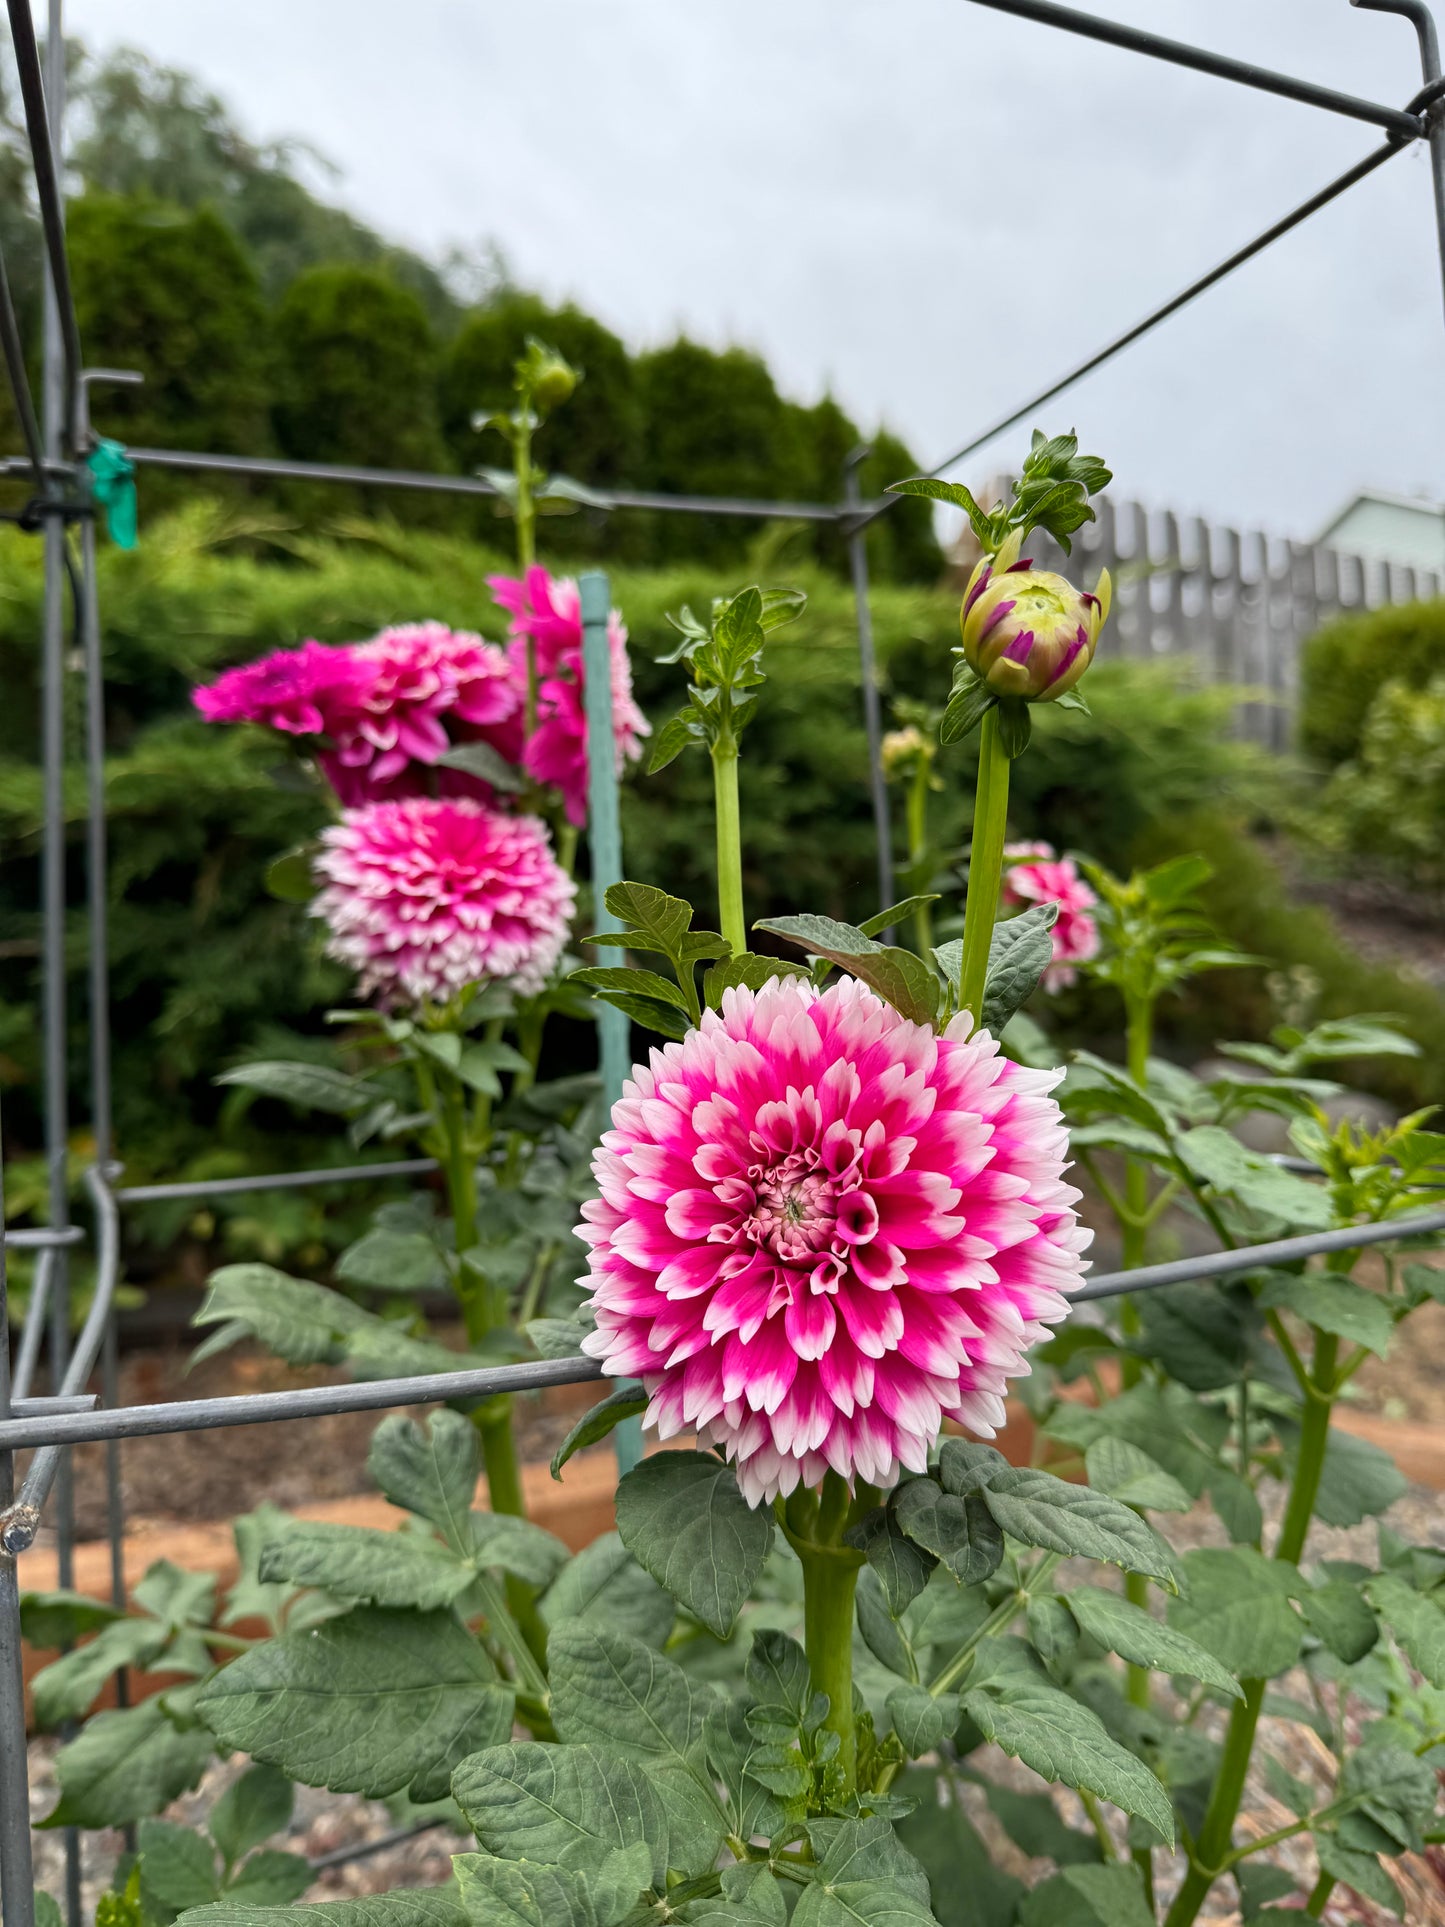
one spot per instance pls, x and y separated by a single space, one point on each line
423 675
1034 874
549 612
426 895
824 1229
313 690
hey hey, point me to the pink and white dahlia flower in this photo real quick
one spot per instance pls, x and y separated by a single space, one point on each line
313 690
1034 874
423 674
549 611
426 895
824 1229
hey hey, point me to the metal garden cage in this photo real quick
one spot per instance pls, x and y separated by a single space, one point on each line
57 439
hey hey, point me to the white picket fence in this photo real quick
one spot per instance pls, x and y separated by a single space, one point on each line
1240 604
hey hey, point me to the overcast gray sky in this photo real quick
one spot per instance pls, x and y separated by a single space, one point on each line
926 206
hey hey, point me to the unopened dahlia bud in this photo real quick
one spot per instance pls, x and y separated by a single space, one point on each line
551 379
1026 632
901 749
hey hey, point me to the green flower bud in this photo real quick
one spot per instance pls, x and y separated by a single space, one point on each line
1028 633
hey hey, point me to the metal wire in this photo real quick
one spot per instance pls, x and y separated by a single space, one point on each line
1140 40
273 1181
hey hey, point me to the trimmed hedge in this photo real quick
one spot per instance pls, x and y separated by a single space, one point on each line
1348 662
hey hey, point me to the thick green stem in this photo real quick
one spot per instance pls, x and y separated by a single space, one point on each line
985 864
830 1578
1319 1896
1212 1850
526 545
729 843
918 850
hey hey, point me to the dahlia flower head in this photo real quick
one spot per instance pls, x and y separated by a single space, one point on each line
315 690
548 611
423 676
425 895
1027 632
822 1229
1034 873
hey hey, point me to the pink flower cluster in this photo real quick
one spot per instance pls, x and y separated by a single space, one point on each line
1036 874
426 895
548 614
823 1229
384 711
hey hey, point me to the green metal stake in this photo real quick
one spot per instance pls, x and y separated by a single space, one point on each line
604 832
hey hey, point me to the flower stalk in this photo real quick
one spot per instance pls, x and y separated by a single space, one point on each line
830 1579
729 842
985 867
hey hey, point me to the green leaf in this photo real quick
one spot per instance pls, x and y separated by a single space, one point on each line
516 1546
291 878
431 1472
1359 1480
880 1630
1200 1334
751 970
672 739
1219 1158
301 1322
250 1811
653 914
605 1586
637 983
1052 1630
1238 1609
1360 1871
650 1012
1417 1623
1125 1473
1135 1635
126 1765
368 1703
750 1897
901 1564
874 926
1015 727
565 1806
614 1691
1063 1740
66 1688
960 1531
356 1562
682 1517
393 1261
271 1879
1337 1614
628 1401
437 1907
503 1893
1019 953
480 759
177 1870
312 1087
967 706
1111 1896
1034 1824
866 1878
47 1910
968 1890
1334 1304
898 976
919 1719
1041 1510
1259 1883
51 1619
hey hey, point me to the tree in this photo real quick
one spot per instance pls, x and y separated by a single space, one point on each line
172 295
716 425
357 379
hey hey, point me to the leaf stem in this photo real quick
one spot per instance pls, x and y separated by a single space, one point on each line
985 864
918 850
729 842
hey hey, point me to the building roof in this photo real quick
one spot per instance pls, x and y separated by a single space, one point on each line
1389 528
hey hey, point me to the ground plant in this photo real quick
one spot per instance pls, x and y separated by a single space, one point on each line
828 1227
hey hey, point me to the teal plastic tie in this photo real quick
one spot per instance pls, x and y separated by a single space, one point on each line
112 482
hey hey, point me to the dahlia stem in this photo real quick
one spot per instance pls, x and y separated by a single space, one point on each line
1213 1845
830 1578
729 842
985 864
